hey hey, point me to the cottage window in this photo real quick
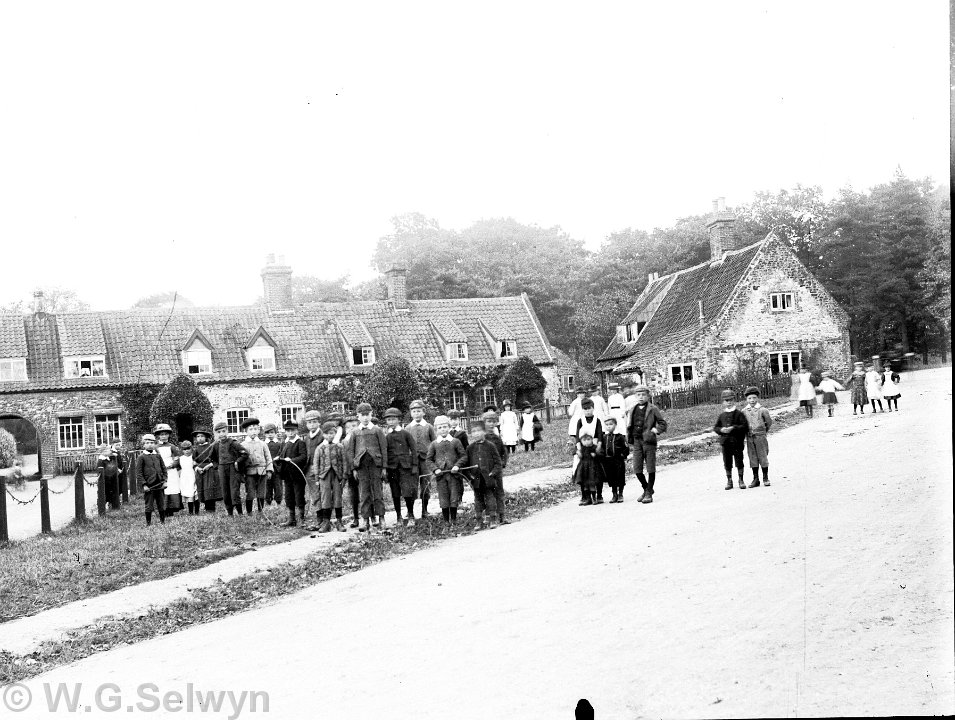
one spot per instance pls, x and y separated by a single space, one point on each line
363 355
198 362
681 374
261 358
640 325
70 433
781 302
507 348
457 351
341 408
458 400
12 369
88 366
107 429
567 382
488 397
234 419
628 329
784 362
290 412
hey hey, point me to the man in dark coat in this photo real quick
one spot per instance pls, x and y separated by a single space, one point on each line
485 476
732 427
646 423
292 462
402 465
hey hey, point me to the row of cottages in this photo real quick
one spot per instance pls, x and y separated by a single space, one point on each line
747 308
63 373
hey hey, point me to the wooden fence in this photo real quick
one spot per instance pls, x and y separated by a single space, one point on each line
707 392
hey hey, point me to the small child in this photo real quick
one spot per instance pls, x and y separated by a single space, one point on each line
273 482
351 422
509 427
614 459
873 387
330 471
732 428
110 465
187 477
530 428
588 473
856 383
151 471
890 387
170 455
829 387
457 432
446 457
485 475
757 445
587 424
258 468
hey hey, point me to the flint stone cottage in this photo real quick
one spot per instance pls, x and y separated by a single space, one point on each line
746 306
64 373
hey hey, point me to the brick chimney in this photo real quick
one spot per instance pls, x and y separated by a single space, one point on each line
277 284
39 301
721 226
397 278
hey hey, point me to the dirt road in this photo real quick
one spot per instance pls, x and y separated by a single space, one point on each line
829 593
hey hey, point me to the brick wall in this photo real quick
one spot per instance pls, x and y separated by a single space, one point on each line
263 400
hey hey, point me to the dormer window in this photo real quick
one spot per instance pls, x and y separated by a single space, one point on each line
13 369
628 330
457 351
507 348
260 352
86 366
198 362
363 355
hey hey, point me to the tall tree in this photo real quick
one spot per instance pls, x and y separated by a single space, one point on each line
55 300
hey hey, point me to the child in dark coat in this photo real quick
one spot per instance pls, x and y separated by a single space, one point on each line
457 432
614 459
485 476
588 473
402 465
329 471
111 466
446 457
228 457
732 428
151 471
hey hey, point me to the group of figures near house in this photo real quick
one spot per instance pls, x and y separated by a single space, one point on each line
337 458
867 386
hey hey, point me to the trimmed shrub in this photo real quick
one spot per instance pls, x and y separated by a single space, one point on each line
523 381
391 383
181 396
8 449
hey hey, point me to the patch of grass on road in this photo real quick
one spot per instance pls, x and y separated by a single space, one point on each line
700 418
254 589
108 553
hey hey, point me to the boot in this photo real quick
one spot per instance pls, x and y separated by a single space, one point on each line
620 495
647 497
353 523
755 483
587 500
729 483
339 526
742 485
614 498
325 527
291 519
598 499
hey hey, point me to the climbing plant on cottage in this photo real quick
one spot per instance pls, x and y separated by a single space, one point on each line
183 405
391 383
523 382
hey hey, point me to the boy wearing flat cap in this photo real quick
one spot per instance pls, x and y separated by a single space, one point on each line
366 449
229 458
492 434
313 438
402 465
446 457
292 464
351 422
757 444
273 483
457 432
151 471
329 470
423 433
486 474
732 428
258 468
645 424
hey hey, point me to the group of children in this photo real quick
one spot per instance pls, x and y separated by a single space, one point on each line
314 471
867 386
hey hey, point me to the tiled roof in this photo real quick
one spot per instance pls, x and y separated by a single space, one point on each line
449 330
676 319
80 334
354 332
308 339
13 338
497 328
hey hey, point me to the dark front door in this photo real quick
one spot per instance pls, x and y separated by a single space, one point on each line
184 426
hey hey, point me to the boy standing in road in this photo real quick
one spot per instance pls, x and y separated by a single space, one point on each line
292 460
273 484
446 457
423 433
402 465
229 458
484 455
732 428
366 450
329 471
646 423
757 444
258 469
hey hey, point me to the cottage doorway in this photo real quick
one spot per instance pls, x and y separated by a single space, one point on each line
28 443
185 424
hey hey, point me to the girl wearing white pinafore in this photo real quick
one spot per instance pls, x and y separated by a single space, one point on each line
873 387
807 391
510 427
890 388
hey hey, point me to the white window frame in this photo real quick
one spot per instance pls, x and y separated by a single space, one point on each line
488 396
567 381
13 369
458 399
107 425
290 412
507 349
367 355
234 418
682 367
263 355
788 356
782 302
457 351
73 365
75 432
629 330
200 358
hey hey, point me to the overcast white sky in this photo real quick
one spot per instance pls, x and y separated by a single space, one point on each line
145 150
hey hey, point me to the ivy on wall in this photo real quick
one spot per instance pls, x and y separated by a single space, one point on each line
523 382
138 401
321 393
181 396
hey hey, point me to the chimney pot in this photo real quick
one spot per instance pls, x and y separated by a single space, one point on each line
39 301
277 284
270 259
397 277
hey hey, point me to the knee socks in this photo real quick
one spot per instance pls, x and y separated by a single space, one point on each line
652 476
409 506
446 514
338 514
261 503
755 473
765 473
396 500
643 480
354 506
454 513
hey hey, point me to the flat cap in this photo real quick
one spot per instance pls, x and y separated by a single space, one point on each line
329 426
221 426
416 404
751 390
393 412
313 415
364 409
290 425
248 422
269 427
728 395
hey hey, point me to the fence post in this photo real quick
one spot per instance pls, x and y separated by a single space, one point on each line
100 494
4 532
79 493
45 526
132 482
547 410
124 482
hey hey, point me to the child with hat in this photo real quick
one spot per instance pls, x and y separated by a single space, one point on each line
829 388
856 384
292 460
187 478
366 449
614 459
423 433
644 424
258 468
313 438
530 426
588 473
170 455
487 472
731 427
890 386
759 421
329 471
457 432
208 489
351 422
151 471
873 387
109 464
446 457
229 458
273 482
807 391
492 434
402 465
510 427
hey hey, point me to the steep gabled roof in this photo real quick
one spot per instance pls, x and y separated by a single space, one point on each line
449 330
146 345
260 334
677 317
13 338
197 335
